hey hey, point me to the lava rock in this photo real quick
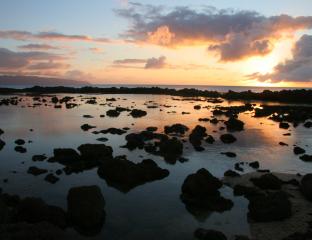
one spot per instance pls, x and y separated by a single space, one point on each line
210 139
51 178
171 149
137 113
2 144
227 138
36 171
20 149
231 173
197 135
229 154
254 164
20 142
209 234
86 208
306 186
176 129
234 124
87 127
283 125
298 150
112 113
39 158
267 181
271 207
306 158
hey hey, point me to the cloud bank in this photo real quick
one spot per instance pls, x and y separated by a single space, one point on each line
234 35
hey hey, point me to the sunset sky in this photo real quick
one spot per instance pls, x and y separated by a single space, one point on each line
184 42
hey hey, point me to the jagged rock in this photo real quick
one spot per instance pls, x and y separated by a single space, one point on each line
210 139
283 125
196 137
254 164
87 127
306 158
112 113
171 149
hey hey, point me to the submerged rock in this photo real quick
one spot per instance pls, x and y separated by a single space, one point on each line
51 178
229 154
86 209
125 175
39 158
36 171
20 142
227 138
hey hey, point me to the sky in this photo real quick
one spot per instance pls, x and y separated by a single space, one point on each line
182 42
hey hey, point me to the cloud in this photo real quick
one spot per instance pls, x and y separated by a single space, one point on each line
149 63
130 61
55 36
234 35
155 63
96 50
48 65
297 69
79 75
36 46
11 60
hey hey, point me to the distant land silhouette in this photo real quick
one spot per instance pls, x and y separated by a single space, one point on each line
41 81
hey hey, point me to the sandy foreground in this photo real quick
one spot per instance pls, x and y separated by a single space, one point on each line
301 209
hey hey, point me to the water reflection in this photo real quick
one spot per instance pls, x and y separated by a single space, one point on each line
152 210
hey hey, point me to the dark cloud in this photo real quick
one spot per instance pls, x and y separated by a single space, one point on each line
13 60
48 65
233 34
37 46
155 63
24 35
297 69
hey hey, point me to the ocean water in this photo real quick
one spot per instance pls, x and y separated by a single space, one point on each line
153 210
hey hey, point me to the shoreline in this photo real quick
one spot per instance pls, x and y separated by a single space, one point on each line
283 96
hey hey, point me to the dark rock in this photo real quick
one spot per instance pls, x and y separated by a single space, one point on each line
20 149
204 234
254 164
95 152
112 113
247 192
137 113
238 167
176 129
271 207
234 124
241 237
51 178
114 131
197 107
267 181
36 171
86 208
2 144
202 190
298 150
306 186
1 131
231 173
306 124
210 139
306 158
283 144
20 142
65 156
171 149
151 129
125 175
87 127
283 125
227 138
197 135
87 116
34 210
229 154
102 139
39 158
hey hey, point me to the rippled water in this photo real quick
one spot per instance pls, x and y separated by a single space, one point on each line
153 210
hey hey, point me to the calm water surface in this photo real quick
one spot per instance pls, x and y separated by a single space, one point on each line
152 210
